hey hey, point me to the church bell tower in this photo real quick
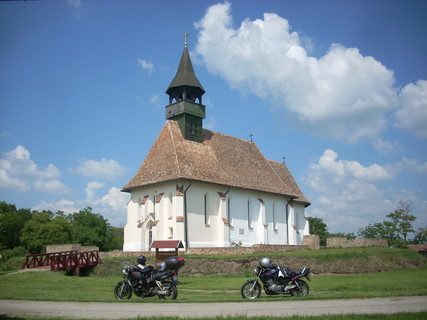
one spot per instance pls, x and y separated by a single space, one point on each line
185 99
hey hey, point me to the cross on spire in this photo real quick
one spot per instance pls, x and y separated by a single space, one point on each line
251 135
186 34
283 159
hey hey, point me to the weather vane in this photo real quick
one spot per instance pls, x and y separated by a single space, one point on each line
186 34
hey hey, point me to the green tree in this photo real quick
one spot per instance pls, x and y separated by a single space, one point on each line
12 222
45 228
401 220
318 227
420 236
395 231
91 229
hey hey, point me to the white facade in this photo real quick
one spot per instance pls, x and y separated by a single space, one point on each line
209 215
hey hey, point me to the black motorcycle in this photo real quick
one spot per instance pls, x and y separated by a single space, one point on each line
150 281
276 280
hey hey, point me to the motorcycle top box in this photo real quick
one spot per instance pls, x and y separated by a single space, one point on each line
174 263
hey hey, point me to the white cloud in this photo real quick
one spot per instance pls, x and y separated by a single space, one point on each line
413 165
210 123
342 95
412 116
50 186
347 195
74 3
145 65
343 169
386 147
19 172
13 183
63 205
155 100
91 189
111 206
103 169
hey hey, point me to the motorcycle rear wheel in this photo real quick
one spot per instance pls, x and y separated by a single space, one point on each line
250 291
122 291
171 289
302 289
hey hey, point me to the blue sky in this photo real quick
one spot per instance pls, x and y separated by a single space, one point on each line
339 88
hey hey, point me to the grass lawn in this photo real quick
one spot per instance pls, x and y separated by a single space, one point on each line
56 286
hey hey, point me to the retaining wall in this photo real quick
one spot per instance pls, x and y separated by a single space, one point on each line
342 242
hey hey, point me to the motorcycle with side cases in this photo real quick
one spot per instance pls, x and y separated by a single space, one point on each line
276 280
148 281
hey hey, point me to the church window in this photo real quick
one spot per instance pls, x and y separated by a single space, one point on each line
229 209
193 129
274 217
249 215
206 210
170 233
170 206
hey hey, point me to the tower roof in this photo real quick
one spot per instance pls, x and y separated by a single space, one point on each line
185 75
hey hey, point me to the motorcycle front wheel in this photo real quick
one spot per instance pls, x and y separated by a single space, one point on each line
171 289
251 289
302 289
122 291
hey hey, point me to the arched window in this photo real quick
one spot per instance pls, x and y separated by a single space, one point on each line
249 215
274 216
206 210
170 206
229 209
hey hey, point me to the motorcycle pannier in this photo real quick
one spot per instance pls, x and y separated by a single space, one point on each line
174 263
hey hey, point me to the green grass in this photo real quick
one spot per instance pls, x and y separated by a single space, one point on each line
56 286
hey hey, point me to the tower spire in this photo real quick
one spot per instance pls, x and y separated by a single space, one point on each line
186 34
185 98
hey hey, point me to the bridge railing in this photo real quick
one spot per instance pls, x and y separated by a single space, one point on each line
64 260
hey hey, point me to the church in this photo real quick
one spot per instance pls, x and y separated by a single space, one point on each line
209 189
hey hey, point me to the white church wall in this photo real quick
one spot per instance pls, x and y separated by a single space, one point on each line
253 217
301 223
151 216
132 234
261 228
205 224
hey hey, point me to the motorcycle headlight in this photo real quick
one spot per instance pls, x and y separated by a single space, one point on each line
124 272
256 271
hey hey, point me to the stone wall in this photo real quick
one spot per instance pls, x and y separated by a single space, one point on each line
69 247
312 241
342 242
213 250
258 248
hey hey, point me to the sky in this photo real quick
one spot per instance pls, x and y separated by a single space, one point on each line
336 89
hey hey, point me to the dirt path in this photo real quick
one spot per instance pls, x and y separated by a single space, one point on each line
86 310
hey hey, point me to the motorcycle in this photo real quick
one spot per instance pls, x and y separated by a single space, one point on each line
150 281
276 280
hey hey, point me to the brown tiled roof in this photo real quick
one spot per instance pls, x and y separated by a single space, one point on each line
219 159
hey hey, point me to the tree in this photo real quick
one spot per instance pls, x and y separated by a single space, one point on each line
318 226
12 222
45 228
395 231
91 229
402 220
420 236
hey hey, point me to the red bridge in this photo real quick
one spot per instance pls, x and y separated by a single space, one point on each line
64 260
